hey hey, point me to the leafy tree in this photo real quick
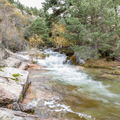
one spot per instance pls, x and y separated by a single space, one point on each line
57 34
35 41
39 28
11 27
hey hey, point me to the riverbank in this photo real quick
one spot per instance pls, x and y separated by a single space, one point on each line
101 63
67 92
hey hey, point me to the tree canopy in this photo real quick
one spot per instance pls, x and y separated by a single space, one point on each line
93 23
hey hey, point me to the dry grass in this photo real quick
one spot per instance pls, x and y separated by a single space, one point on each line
101 63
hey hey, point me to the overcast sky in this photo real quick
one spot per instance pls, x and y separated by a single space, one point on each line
32 3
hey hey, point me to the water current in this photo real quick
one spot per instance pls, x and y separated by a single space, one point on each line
82 93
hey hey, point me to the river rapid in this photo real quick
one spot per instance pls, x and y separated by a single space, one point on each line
82 94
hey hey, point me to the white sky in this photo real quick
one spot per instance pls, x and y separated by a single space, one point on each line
32 3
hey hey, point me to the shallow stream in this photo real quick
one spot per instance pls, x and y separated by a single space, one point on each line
78 93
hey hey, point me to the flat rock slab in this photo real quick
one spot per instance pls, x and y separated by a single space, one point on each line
6 114
13 83
12 62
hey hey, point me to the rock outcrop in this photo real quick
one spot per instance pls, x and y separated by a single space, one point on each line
13 83
6 114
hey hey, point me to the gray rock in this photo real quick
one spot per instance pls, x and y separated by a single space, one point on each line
12 88
81 61
14 55
3 52
84 55
16 106
26 108
6 114
3 64
21 107
12 62
23 66
69 62
65 62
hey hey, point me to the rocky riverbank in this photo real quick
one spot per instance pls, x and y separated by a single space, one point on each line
18 79
14 80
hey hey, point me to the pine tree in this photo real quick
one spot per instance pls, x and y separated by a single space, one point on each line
35 11
11 1
20 6
59 10
94 25
39 28
28 11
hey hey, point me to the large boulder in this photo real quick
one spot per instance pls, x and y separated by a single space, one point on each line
83 55
13 83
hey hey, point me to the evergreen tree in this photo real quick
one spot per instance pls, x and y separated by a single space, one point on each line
41 13
20 6
11 1
39 28
28 11
94 23
35 11
59 10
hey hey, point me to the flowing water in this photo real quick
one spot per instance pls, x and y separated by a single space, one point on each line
81 93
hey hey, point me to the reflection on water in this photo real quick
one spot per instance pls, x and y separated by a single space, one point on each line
83 94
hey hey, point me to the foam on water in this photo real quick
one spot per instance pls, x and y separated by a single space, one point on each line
67 74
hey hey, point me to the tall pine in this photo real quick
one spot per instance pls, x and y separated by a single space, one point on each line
95 24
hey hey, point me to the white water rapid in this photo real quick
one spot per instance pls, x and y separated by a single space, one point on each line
70 75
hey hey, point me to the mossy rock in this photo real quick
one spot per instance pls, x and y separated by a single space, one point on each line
15 79
43 56
56 50
47 55
73 59
116 72
68 58
1 70
34 62
16 75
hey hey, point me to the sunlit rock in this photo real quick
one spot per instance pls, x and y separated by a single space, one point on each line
13 83
12 62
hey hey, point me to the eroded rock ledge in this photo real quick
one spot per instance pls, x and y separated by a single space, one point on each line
6 114
13 84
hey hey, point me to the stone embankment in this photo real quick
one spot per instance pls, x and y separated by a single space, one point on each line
13 85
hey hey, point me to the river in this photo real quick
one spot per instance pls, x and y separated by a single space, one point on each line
81 93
